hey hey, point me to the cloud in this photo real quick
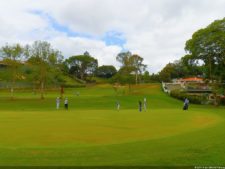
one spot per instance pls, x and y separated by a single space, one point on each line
74 46
156 30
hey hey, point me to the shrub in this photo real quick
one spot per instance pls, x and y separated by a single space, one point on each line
195 99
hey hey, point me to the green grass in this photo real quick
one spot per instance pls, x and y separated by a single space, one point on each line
92 132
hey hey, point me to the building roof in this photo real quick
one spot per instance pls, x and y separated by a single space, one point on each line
193 79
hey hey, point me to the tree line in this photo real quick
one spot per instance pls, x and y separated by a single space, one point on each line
40 64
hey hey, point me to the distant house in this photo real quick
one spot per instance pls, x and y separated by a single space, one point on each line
190 85
190 80
194 86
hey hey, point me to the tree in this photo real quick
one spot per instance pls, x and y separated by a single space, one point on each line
12 56
106 71
124 58
87 53
190 66
146 77
166 74
44 60
138 65
154 78
125 76
131 62
81 66
186 67
208 46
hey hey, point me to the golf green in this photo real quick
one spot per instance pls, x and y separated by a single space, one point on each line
93 133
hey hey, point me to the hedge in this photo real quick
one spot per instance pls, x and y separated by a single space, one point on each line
195 99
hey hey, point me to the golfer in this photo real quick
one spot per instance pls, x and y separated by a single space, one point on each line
140 106
66 103
186 104
145 104
57 103
118 105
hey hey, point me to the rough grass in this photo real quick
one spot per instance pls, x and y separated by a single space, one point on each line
92 132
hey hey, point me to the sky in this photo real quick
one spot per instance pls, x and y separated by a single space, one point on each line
154 29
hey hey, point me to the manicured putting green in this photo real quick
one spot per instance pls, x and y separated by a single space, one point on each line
96 126
93 132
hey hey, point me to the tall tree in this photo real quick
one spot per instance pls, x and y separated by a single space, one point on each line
124 58
208 45
82 66
11 56
44 59
138 65
131 62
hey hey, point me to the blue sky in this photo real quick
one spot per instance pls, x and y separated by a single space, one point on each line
110 38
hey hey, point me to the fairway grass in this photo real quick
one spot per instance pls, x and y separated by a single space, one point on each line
93 132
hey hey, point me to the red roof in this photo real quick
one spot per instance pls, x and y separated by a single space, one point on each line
192 79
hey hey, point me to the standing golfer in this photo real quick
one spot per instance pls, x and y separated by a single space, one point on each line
186 104
145 104
118 105
66 103
140 106
57 103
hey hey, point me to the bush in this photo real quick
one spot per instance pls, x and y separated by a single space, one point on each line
195 99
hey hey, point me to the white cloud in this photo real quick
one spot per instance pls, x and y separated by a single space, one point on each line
157 30
75 46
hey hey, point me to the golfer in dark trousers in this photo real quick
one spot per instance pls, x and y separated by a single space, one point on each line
66 103
140 106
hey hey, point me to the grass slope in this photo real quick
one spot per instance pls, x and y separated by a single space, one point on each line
92 132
